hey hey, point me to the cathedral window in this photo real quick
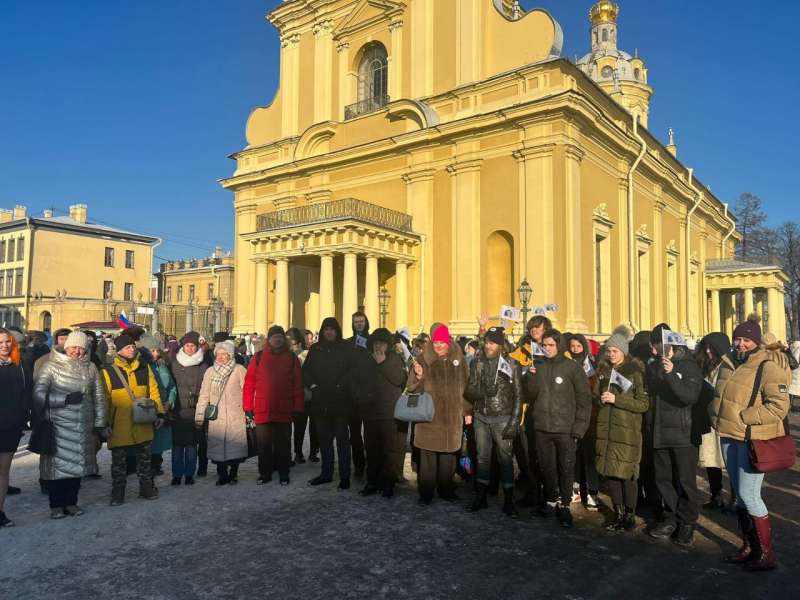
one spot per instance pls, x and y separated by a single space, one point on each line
605 35
373 81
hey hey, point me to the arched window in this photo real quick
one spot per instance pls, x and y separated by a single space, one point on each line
46 321
607 72
637 74
605 35
373 81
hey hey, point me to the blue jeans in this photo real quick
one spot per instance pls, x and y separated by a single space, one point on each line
485 435
184 461
744 479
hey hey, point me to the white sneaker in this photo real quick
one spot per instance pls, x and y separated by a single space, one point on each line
576 494
591 502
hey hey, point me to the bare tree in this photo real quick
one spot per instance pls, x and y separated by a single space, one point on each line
786 240
750 223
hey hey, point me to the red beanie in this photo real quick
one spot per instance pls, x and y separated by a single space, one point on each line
442 334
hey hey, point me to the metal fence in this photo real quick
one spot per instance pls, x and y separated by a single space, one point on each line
176 320
337 210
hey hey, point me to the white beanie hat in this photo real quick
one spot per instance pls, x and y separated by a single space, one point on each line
77 339
226 346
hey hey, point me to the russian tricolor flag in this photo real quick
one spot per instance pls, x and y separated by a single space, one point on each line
122 321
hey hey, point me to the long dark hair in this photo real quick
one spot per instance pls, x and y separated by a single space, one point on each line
297 337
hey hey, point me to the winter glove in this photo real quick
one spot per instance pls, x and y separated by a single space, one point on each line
511 430
250 414
73 398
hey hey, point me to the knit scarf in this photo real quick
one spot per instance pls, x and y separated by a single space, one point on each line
189 361
219 378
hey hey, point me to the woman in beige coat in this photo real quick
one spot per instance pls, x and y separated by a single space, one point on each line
227 437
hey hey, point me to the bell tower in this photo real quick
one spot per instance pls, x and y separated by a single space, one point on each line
603 17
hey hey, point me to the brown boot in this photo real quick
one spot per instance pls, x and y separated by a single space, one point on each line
148 490
117 495
745 553
764 558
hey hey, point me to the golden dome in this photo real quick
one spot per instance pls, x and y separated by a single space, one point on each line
604 12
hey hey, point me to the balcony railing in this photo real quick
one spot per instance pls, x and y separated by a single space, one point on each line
338 210
366 106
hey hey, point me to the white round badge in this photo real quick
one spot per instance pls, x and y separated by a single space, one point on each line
455 363
559 380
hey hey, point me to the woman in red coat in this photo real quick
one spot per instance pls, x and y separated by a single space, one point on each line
273 392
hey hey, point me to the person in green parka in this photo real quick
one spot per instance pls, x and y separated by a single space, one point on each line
162 439
623 400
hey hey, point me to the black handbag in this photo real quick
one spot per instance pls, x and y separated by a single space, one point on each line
252 442
43 437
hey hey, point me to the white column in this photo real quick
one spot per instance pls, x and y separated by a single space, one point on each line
260 297
326 305
350 286
748 302
371 306
716 324
282 292
401 295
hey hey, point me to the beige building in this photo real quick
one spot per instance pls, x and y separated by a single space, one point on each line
56 271
433 155
204 286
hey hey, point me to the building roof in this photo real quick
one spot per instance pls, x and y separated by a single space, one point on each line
66 223
733 265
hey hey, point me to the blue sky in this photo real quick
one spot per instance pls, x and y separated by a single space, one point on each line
133 107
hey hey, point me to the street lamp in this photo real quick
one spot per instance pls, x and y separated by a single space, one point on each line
525 292
383 299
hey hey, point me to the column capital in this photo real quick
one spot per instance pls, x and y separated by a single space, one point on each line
465 166
574 152
342 46
530 152
322 27
659 206
395 24
415 175
290 40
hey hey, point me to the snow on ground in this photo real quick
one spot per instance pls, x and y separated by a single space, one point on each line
251 541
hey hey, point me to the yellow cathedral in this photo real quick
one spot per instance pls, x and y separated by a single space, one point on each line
421 159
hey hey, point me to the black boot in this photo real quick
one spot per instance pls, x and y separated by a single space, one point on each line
479 502
233 475
619 517
629 519
508 505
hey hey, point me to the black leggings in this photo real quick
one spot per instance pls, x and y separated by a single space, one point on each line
623 492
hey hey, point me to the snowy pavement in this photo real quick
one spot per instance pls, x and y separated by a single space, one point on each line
251 542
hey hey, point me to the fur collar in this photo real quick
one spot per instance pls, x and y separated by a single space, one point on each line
189 361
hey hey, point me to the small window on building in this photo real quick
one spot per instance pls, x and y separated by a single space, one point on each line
373 81
21 249
128 259
605 35
191 293
18 282
9 283
2 284
169 294
3 251
109 257
607 72
11 250
128 292
210 291
180 293
637 74
108 290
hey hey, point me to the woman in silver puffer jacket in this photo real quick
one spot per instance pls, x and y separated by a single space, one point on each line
68 393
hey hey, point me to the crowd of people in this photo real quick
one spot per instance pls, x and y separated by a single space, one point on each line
553 419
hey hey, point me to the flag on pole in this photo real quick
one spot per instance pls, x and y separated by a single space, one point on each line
672 338
361 341
588 367
122 320
536 350
621 382
503 367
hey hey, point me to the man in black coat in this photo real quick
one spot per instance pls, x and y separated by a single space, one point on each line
674 383
327 373
358 345
562 406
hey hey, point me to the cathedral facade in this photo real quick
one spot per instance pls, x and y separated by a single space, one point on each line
421 159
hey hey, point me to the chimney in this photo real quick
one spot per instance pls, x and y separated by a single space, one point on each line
48 213
78 212
6 215
217 251
20 212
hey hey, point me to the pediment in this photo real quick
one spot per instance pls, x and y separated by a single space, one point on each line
367 13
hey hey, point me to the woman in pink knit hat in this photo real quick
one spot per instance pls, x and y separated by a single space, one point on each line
442 372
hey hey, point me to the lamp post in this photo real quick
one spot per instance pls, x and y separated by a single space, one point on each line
383 300
525 292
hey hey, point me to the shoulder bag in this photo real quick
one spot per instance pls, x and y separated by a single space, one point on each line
43 436
144 409
768 456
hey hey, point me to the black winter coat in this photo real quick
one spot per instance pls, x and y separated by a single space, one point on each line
327 373
672 398
13 398
376 387
188 381
562 401
494 394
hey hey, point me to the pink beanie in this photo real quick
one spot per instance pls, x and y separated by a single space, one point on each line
442 334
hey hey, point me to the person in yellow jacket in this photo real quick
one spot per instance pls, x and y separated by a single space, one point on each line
125 434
